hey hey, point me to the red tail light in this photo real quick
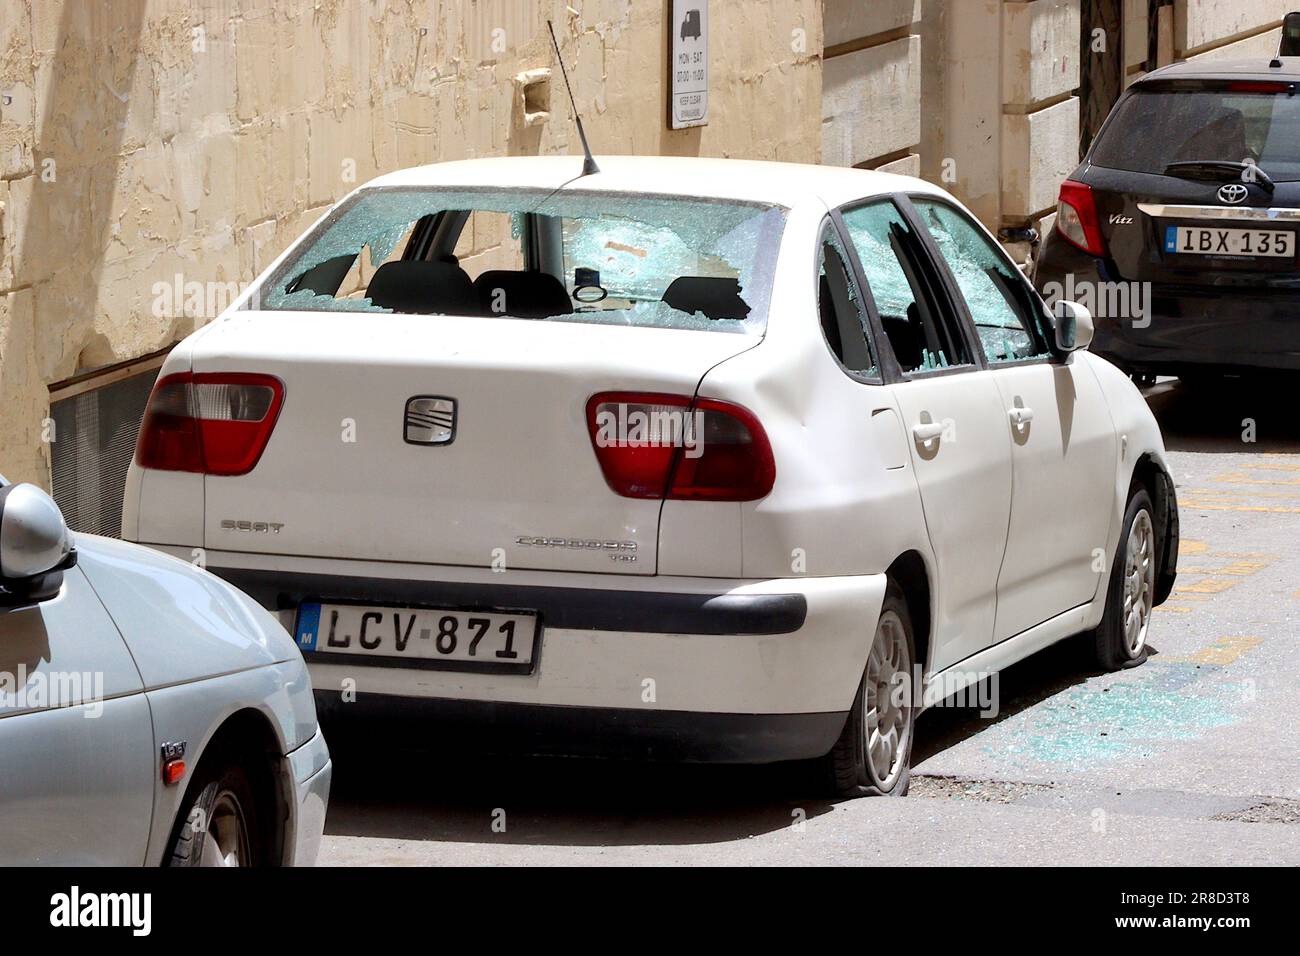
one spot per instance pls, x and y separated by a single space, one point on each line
1076 218
213 423
652 445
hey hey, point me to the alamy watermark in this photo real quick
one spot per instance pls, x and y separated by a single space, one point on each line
133 911
194 299
1124 301
52 689
977 690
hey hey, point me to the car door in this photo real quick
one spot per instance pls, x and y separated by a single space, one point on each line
1063 446
76 780
952 413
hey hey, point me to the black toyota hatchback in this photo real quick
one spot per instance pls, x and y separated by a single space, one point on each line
1179 229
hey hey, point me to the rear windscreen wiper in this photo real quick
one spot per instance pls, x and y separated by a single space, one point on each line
1199 168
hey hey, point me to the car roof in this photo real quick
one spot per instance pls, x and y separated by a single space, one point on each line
783 184
1253 68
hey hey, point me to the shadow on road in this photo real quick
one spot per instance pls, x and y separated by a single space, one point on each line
413 795
1215 415
400 792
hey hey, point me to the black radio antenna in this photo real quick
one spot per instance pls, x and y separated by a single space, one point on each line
589 163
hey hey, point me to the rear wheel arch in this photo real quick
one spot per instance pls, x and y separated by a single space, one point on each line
1150 474
909 572
248 739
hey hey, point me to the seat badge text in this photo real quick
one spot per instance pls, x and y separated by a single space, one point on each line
265 527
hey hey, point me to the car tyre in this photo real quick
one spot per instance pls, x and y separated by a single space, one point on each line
1120 640
218 820
874 752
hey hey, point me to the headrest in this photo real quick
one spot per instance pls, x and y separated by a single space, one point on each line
430 288
528 295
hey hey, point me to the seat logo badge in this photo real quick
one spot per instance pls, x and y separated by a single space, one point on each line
1233 192
430 420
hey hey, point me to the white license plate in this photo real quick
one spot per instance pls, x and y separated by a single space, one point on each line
1216 241
467 640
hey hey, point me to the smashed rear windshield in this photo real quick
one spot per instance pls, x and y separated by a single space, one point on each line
1236 122
571 256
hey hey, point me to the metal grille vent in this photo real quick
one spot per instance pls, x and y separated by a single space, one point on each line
94 440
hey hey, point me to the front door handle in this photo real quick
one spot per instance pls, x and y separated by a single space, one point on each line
1021 416
927 432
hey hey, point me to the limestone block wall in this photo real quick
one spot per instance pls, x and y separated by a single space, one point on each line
871 85
146 140
1188 29
1240 28
1040 108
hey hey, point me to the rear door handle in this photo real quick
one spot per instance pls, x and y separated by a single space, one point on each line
1021 416
928 431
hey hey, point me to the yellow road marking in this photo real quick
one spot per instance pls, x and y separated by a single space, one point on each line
1209 585
1238 478
1231 507
1268 478
1223 651
1272 466
1243 568
1239 568
1209 580
1229 494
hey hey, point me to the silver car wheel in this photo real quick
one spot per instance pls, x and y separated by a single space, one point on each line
225 840
1139 582
886 704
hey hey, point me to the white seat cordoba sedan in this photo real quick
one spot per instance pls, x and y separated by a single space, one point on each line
689 459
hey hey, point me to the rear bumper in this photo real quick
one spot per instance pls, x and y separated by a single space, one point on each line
669 667
1178 327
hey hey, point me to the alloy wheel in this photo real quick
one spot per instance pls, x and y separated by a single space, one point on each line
225 838
1139 582
887 702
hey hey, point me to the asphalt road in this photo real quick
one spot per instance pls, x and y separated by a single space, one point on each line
1193 758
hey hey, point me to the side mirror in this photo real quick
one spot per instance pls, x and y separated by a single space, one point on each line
35 548
1073 325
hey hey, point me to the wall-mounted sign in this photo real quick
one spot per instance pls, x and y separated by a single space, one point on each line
688 80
